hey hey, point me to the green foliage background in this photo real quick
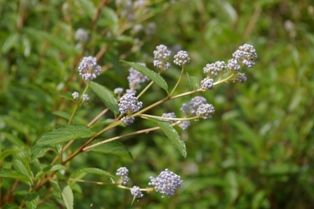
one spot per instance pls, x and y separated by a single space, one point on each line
256 152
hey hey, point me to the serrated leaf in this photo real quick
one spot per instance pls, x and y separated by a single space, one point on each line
66 194
113 148
149 73
172 134
96 171
31 199
106 96
65 134
8 173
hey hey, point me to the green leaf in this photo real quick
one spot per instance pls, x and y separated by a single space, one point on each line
248 134
21 165
39 151
149 73
65 134
10 206
88 8
96 171
106 96
8 173
31 199
10 42
172 134
7 152
113 148
66 194
109 20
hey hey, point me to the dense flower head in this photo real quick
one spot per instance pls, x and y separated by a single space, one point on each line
166 183
169 115
162 65
136 192
135 78
123 173
246 54
128 120
181 58
214 68
129 104
195 103
85 97
205 111
198 106
185 109
240 77
161 52
233 65
207 83
160 55
88 68
75 95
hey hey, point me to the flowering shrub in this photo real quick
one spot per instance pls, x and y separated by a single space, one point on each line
126 107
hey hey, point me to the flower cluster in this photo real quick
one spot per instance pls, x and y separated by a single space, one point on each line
135 78
76 95
160 55
181 58
118 91
205 111
123 172
166 183
214 68
207 83
136 192
85 97
244 56
89 69
129 104
81 35
198 107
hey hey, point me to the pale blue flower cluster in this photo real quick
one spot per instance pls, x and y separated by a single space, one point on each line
181 58
166 183
123 172
160 55
136 192
88 68
135 78
198 106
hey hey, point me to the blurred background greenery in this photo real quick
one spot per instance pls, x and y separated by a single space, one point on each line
256 152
